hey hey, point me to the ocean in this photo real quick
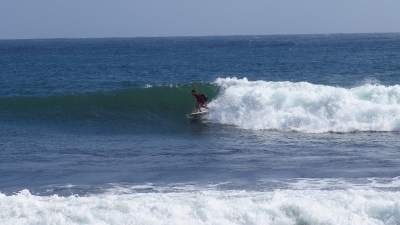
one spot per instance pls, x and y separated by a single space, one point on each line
302 129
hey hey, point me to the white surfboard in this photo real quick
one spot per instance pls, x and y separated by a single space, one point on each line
196 114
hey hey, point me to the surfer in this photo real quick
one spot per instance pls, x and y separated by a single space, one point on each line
201 100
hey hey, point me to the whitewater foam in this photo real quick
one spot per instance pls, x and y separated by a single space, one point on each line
205 207
306 107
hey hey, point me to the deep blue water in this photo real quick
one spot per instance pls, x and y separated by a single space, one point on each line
302 116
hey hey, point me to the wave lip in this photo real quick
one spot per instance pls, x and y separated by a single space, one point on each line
306 107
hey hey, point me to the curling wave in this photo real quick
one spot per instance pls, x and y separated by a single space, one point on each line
306 107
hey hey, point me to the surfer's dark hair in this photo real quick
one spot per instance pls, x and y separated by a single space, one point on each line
193 90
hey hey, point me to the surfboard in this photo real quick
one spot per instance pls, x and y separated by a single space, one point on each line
196 114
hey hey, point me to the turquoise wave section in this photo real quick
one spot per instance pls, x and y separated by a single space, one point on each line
120 104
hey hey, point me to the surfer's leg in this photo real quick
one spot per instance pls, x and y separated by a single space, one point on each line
203 105
198 106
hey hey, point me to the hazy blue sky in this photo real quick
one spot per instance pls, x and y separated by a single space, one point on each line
132 18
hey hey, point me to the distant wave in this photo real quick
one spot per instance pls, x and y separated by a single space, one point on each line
306 107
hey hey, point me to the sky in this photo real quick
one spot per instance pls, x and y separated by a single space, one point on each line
29 19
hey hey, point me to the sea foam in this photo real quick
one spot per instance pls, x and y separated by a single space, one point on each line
306 107
205 207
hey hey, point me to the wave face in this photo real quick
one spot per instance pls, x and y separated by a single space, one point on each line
113 105
305 107
205 207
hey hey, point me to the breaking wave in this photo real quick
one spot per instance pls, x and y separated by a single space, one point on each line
306 107
205 207
255 105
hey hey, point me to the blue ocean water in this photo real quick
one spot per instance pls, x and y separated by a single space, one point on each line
302 129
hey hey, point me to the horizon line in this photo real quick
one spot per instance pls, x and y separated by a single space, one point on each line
194 36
